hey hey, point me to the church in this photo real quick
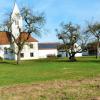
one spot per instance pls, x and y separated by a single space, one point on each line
31 50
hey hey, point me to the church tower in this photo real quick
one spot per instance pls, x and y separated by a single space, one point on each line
16 19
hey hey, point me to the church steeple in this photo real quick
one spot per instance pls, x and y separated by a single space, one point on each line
15 10
16 19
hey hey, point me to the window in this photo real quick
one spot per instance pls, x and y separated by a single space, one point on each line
5 51
31 46
11 51
31 54
22 55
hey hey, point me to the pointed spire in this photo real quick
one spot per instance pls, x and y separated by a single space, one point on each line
15 9
17 20
15 3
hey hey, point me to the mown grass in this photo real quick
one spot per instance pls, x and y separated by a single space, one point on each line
50 79
47 70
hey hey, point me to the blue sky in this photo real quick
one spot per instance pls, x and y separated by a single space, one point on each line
56 11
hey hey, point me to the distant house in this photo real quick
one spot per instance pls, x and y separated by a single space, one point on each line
92 48
47 49
62 51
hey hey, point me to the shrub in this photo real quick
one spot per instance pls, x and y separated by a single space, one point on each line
51 56
59 55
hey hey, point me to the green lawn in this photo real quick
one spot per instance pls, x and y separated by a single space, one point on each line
47 70
50 79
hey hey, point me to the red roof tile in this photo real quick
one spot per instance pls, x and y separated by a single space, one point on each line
24 36
5 38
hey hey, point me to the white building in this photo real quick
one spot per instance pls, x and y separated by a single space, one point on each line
47 49
32 49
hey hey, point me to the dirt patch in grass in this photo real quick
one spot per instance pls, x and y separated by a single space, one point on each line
86 89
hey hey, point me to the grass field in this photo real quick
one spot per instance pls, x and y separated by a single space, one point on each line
55 79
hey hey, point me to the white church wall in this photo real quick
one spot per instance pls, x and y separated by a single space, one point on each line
27 50
2 51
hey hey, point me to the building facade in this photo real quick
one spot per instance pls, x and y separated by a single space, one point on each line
32 48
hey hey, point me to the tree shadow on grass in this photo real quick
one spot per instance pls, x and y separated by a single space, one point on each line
66 60
52 60
7 63
92 61
55 60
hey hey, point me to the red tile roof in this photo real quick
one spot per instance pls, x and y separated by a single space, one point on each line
5 38
24 36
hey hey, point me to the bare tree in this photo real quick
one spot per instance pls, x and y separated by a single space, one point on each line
69 34
32 24
84 39
94 29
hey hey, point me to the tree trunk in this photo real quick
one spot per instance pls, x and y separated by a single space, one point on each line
18 57
66 54
72 57
97 49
